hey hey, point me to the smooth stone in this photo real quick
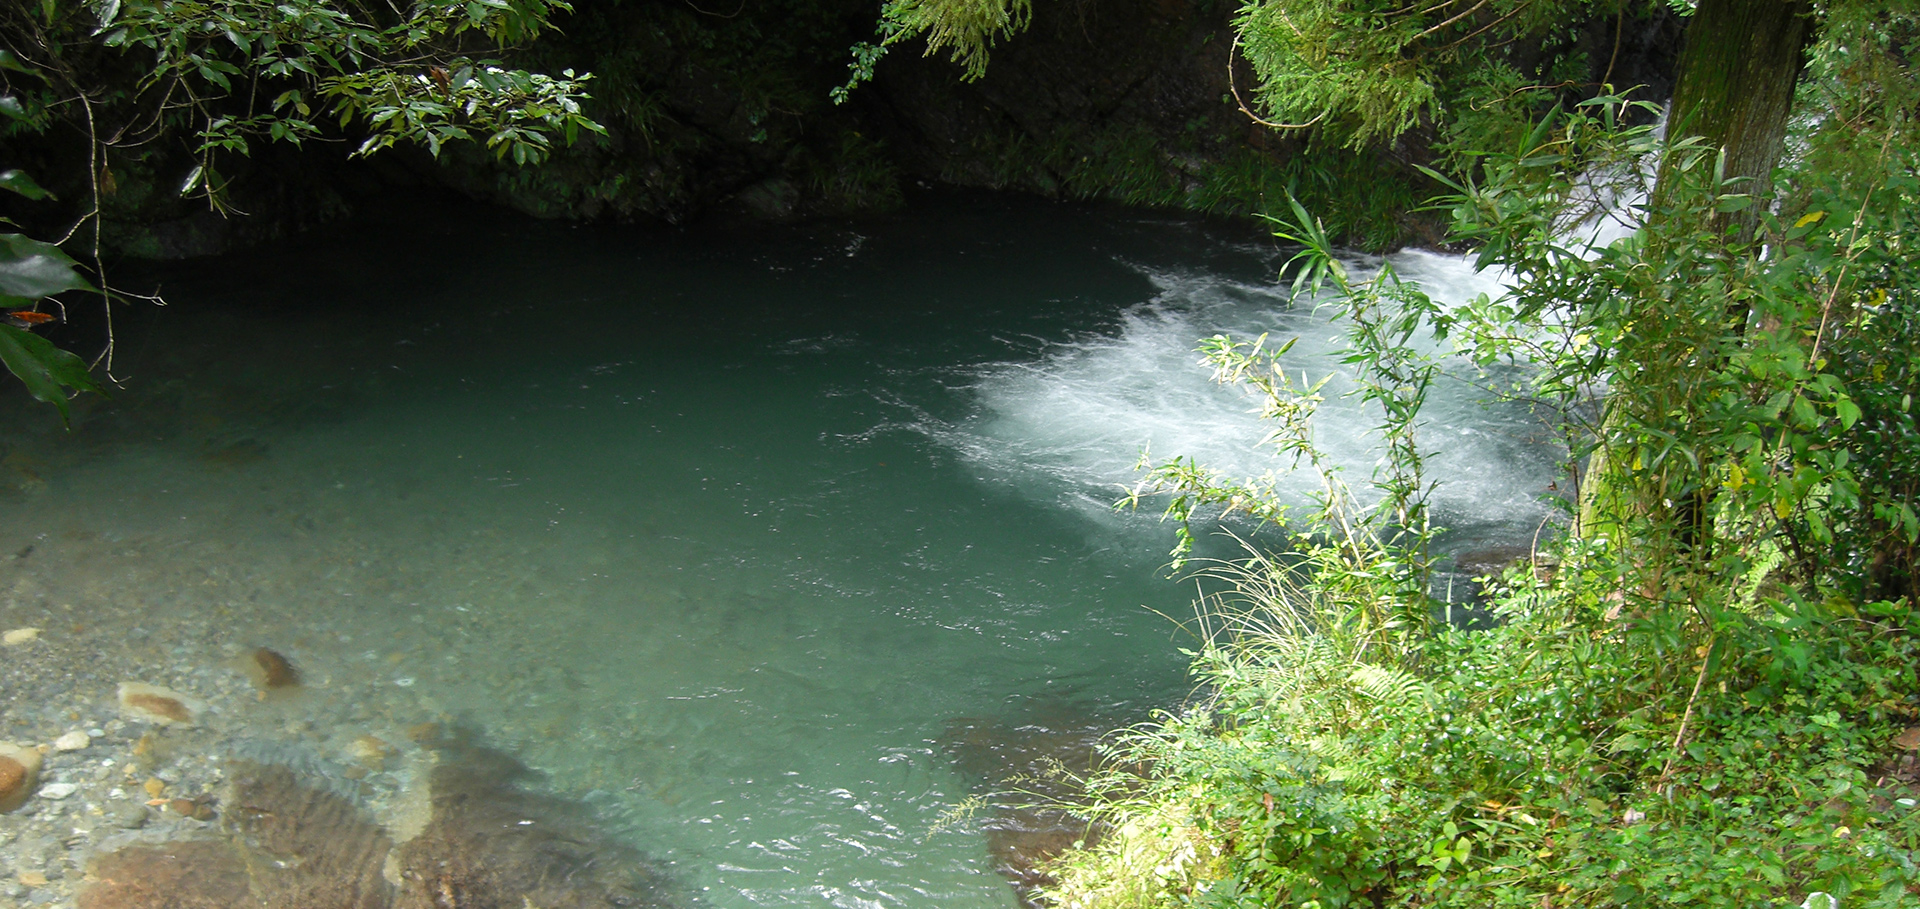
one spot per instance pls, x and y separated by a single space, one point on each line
19 636
19 770
157 705
58 790
72 741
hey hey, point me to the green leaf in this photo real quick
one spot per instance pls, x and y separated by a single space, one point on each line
18 181
9 61
10 106
30 268
1733 203
1848 412
45 369
1628 742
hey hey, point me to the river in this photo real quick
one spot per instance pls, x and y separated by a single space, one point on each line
730 534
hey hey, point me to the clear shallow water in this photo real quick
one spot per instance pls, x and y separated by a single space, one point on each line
724 533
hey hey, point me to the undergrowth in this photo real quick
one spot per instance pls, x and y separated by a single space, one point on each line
1562 758
1704 695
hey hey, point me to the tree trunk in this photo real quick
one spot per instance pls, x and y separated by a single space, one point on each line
1734 91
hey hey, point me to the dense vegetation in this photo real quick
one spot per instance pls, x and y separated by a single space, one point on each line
1704 694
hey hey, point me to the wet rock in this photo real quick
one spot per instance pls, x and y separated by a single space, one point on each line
19 770
157 705
57 791
72 741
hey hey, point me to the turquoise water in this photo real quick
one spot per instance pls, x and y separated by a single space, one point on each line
723 532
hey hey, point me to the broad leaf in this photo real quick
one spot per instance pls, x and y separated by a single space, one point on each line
18 181
30 268
45 369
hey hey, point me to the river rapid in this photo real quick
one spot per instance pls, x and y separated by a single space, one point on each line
739 538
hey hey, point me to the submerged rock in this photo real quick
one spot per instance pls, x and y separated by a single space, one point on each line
1033 768
492 842
194 874
19 636
297 835
154 704
311 846
270 670
371 751
75 740
19 770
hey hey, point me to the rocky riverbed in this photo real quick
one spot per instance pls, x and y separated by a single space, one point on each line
182 764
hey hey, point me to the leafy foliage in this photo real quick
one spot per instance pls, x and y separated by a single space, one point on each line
965 29
30 272
224 75
404 78
1696 701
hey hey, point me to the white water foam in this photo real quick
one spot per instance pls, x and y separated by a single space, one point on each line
1073 424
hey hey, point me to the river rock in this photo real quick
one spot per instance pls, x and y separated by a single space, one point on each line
19 770
72 741
57 791
19 636
127 815
154 704
270 670
371 751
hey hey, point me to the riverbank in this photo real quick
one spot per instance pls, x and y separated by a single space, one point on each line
1568 756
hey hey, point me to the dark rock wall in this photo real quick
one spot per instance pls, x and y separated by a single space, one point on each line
720 109
1156 68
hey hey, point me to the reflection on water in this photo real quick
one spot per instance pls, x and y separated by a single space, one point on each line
723 535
